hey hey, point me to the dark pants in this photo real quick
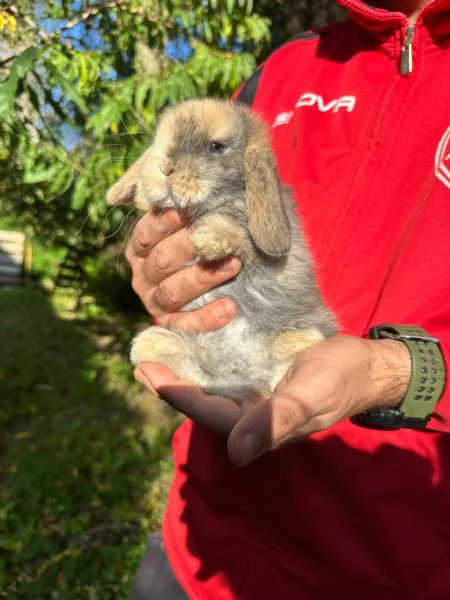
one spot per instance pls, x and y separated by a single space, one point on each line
154 579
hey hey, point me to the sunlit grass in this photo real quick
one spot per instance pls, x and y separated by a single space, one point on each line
84 452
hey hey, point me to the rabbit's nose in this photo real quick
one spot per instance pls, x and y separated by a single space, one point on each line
166 168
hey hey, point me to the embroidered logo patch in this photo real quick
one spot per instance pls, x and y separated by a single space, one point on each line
442 160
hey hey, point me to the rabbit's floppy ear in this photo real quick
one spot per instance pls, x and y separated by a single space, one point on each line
124 190
268 222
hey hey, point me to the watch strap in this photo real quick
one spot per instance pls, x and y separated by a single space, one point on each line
427 381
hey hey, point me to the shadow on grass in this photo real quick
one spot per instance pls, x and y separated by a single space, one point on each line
84 467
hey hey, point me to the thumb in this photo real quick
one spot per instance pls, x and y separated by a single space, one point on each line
216 412
267 425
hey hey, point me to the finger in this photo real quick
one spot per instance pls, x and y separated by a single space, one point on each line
192 282
150 230
139 376
268 425
168 256
210 317
215 412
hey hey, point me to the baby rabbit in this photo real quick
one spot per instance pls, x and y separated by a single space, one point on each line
212 161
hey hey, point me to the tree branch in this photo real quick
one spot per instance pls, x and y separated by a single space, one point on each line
86 15
93 12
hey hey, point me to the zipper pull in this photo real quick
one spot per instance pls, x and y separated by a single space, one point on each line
406 57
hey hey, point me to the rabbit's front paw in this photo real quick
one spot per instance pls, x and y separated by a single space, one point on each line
218 236
155 344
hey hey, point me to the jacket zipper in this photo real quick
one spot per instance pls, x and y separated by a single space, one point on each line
406 55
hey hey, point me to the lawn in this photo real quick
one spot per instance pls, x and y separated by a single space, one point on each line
84 451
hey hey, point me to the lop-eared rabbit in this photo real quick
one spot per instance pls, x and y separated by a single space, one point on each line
212 161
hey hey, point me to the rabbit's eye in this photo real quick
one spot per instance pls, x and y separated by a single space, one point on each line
215 147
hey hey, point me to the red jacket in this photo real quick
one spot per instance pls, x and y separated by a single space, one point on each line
350 513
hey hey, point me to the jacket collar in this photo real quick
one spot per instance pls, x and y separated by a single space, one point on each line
435 16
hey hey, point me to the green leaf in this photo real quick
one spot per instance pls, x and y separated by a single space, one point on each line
8 88
207 31
84 77
108 116
226 72
23 62
62 181
41 173
142 92
69 90
7 96
80 194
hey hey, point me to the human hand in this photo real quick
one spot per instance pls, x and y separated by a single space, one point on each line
336 378
157 252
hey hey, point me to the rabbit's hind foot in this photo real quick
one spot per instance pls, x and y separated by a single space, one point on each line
157 344
286 346
291 342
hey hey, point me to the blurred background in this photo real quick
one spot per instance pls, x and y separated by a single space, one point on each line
84 453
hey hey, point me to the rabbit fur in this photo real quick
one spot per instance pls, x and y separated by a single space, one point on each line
212 161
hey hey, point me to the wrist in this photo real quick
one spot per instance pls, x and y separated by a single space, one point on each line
391 367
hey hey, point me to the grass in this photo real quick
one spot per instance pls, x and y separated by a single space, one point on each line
84 451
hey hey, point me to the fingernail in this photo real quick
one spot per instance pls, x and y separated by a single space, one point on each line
228 265
172 216
225 266
225 311
251 447
169 221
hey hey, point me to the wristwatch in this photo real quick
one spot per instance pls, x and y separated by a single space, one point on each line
426 385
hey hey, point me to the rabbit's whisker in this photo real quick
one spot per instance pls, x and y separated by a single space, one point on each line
170 231
112 159
127 237
131 135
124 220
86 219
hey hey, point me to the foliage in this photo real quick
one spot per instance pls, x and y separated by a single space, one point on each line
82 84
84 454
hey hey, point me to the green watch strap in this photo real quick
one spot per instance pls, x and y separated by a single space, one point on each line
428 369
